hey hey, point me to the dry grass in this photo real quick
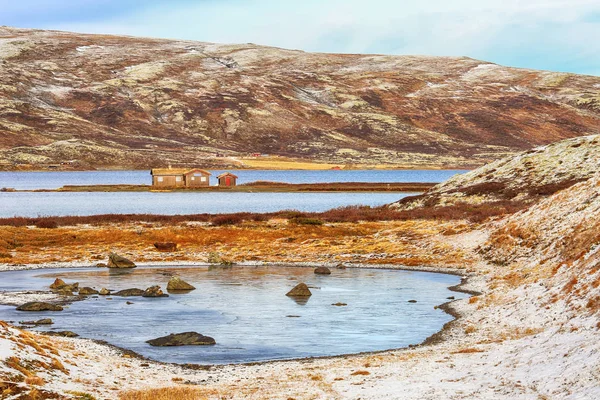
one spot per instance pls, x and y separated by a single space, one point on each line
170 393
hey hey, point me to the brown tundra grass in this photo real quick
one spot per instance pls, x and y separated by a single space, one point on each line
170 393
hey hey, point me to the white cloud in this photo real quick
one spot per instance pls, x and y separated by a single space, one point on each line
481 29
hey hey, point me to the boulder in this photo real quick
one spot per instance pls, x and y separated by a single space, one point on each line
182 339
177 284
117 261
165 246
101 265
322 271
45 321
154 291
129 292
104 292
39 306
61 333
339 304
86 291
340 266
57 283
412 301
300 290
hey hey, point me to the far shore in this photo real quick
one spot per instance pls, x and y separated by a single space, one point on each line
260 186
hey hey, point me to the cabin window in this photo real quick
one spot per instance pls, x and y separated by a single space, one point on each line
193 178
198 174
203 179
177 179
159 179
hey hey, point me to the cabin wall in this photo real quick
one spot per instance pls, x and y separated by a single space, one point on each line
197 180
168 181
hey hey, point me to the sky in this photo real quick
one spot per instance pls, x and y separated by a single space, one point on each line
556 35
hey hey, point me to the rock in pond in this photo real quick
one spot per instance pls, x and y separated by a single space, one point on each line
340 266
104 292
61 333
182 339
101 265
300 290
87 291
39 306
176 284
412 301
45 321
154 291
165 246
117 261
129 292
57 283
322 271
339 304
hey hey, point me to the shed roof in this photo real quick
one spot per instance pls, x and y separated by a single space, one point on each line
226 174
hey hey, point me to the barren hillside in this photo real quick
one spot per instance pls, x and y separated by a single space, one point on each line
109 101
523 178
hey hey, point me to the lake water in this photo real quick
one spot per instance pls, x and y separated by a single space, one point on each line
55 180
34 204
246 311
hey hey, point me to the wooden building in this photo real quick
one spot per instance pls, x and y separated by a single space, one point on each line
227 179
180 177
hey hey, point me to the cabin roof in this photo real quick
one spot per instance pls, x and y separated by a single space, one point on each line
226 174
177 171
202 171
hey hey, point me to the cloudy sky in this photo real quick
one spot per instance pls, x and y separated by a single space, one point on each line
559 35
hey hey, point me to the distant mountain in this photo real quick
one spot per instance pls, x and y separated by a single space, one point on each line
125 102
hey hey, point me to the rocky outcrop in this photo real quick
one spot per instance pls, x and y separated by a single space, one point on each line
523 178
60 287
176 284
182 339
154 291
104 292
322 271
129 292
39 306
343 109
300 290
165 246
117 261
87 291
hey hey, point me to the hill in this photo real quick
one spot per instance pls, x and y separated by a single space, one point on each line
125 102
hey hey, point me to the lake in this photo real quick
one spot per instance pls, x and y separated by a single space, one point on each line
246 311
34 204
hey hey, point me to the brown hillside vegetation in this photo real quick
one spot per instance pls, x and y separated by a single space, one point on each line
110 101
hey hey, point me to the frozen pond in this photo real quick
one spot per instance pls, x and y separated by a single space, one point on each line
245 309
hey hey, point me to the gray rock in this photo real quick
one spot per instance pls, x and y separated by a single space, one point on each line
129 292
39 306
182 339
87 291
45 321
104 292
300 290
154 291
117 261
176 284
61 333
322 271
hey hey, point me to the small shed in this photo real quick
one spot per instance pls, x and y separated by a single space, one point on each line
227 179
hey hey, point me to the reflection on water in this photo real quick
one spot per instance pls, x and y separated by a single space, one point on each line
246 310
